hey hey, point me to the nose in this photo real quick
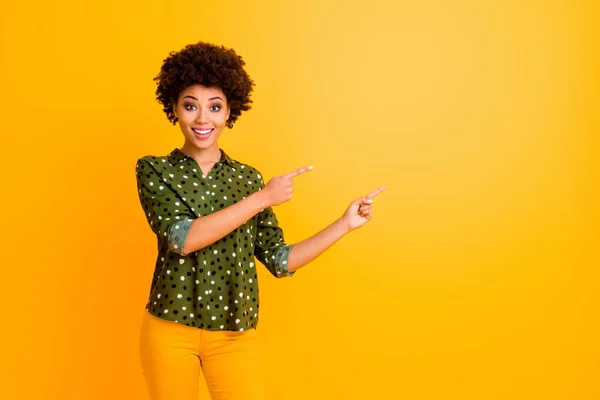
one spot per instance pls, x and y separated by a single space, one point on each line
201 116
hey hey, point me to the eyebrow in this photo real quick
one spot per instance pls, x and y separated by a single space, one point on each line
212 98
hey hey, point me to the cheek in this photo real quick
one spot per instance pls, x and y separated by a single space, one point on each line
221 121
186 118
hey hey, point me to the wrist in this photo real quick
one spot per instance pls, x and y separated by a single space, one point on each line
343 225
261 198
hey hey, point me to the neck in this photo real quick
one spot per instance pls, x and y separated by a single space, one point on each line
208 155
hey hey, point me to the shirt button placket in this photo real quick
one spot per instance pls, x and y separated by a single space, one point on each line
211 189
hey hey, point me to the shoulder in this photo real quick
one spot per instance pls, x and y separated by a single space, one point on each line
152 167
152 160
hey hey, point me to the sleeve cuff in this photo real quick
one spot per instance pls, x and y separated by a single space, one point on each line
178 234
280 259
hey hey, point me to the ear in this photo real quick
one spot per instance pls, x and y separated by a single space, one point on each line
228 113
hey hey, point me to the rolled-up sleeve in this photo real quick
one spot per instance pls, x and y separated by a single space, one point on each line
270 247
167 216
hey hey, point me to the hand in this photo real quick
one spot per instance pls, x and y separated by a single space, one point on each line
279 189
360 210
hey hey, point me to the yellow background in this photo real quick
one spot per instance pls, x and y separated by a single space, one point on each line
476 279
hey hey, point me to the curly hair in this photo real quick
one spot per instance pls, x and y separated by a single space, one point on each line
208 65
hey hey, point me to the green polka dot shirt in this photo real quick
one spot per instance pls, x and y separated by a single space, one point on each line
216 287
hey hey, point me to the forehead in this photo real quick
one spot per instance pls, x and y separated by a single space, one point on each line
202 92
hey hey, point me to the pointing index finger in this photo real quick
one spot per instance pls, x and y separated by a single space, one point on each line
297 172
376 192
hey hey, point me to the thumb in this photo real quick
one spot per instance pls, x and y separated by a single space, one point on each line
362 200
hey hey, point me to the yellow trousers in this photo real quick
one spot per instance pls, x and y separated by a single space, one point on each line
173 355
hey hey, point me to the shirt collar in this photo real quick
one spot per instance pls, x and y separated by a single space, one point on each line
177 156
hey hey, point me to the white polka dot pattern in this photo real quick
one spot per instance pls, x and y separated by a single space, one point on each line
214 288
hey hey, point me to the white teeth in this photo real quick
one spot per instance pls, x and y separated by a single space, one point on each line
202 132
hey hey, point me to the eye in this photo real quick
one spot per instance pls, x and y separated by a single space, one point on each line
215 108
189 107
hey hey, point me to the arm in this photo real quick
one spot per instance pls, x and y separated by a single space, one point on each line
282 259
270 247
307 250
357 214
210 228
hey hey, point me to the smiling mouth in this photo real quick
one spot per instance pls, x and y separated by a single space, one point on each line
203 132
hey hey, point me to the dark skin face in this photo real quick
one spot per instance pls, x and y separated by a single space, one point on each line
202 114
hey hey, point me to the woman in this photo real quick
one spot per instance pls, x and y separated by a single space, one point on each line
212 216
